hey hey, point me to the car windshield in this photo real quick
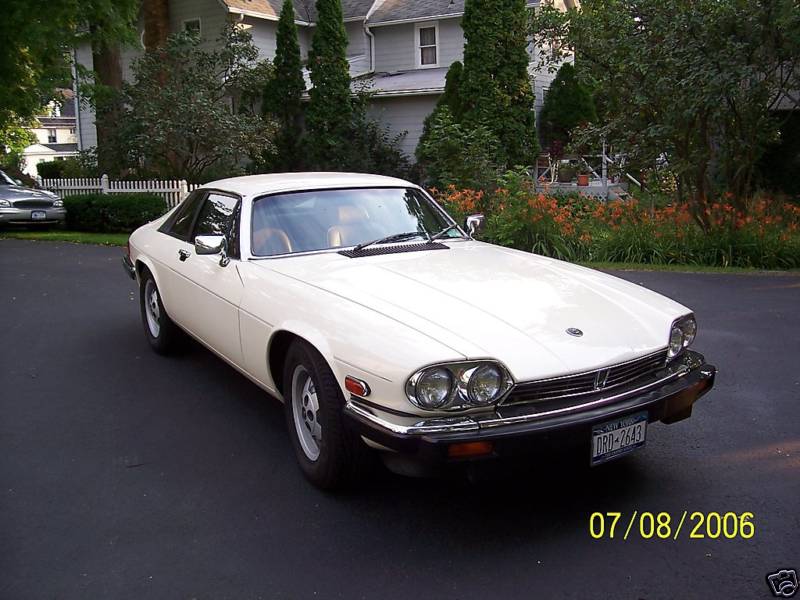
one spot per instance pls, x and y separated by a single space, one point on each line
325 219
5 179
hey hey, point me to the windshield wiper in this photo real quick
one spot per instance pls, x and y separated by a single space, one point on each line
443 232
395 237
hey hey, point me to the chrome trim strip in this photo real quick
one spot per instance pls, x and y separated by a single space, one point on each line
437 425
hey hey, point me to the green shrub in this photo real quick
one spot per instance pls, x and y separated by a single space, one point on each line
53 169
112 212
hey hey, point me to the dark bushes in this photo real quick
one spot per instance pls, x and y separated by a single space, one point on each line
112 212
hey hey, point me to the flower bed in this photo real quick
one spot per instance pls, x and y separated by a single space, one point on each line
763 234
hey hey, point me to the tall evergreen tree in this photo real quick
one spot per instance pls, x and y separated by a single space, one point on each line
495 86
450 99
329 112
283 93
568 104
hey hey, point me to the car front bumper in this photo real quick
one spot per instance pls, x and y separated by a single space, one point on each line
24 216
667 395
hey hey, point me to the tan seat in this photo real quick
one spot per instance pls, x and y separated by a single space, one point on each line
350 228
269 241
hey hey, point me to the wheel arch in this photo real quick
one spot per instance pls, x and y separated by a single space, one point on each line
279 342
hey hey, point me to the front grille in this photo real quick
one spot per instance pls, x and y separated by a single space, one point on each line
378 250
33 204
589 382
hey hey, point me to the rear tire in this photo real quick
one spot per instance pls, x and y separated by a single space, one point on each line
329 453
160 331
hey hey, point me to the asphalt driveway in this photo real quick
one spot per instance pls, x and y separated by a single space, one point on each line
128 475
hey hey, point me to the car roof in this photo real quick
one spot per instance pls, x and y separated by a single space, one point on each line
257 185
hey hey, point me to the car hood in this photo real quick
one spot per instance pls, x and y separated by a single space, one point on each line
485 301
18 192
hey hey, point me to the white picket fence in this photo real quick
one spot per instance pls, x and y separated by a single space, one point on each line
173 191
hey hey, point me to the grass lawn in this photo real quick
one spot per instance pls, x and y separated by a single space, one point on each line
61 235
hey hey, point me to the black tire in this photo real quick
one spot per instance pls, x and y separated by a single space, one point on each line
163 337
343 457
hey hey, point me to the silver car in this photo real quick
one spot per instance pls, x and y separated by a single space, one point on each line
20 205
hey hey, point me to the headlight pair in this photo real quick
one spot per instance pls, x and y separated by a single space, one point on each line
458 385
681 335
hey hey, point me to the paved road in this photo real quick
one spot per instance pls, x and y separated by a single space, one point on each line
127 475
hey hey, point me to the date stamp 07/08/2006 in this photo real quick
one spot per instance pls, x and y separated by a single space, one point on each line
665 525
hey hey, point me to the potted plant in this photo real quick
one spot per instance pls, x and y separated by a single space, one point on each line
566 172
583 175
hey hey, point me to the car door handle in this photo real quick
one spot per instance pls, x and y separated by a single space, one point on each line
183 255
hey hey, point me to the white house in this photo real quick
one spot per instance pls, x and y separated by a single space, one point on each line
405 45
55 134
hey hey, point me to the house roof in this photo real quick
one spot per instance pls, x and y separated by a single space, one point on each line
62 147
391 11
409 83
304 9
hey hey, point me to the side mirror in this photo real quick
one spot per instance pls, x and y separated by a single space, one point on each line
474 224
205 245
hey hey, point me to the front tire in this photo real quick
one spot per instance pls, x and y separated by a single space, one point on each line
330 455
160 331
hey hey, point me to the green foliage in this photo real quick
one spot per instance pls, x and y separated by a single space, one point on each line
495 85
283 93
457 155
690 81
192 109
38 37
780 165
329 111
449 100
110 213
53 169
568 104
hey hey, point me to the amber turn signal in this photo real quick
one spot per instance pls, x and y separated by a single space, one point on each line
356 386
468 449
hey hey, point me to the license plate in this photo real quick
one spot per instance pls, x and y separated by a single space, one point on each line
37 215
615 438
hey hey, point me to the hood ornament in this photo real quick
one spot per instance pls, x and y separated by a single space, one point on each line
574 332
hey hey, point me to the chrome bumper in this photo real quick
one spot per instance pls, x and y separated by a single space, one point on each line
129 268
668 393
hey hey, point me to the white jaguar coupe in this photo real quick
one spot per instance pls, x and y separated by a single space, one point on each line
384 326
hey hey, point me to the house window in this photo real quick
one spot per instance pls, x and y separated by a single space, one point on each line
192 26
427 39
51 136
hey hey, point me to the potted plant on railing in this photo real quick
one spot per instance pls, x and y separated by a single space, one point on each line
583 174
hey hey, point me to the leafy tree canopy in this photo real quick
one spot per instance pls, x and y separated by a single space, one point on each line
38 37
692 82
202 116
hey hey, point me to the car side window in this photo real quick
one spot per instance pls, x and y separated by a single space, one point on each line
218 217
180 224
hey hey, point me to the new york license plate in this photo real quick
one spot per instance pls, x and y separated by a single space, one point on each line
38 215
615 438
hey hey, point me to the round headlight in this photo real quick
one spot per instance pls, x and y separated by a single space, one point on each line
433 388
689 329
484 385
675 342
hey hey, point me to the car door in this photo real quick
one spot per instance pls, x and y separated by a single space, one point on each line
205 290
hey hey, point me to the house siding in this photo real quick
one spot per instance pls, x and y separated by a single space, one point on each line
404 114
396 45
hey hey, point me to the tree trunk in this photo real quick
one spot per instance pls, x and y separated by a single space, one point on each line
107 66
156 23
